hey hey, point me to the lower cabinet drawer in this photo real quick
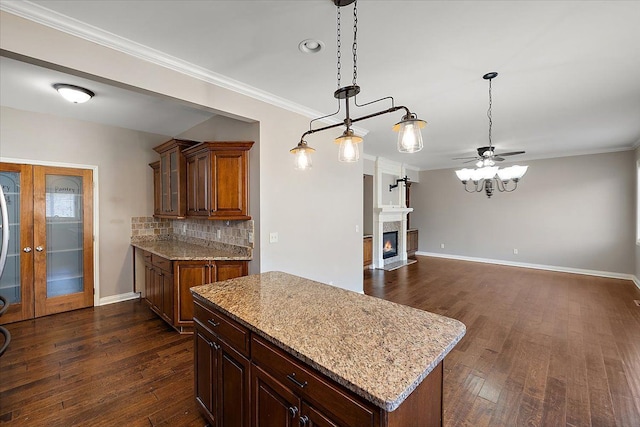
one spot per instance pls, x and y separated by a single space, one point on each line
161 263
320 391
224 327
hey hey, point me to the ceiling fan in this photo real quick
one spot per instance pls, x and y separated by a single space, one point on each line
487 156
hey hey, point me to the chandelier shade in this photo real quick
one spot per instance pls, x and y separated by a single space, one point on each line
348 151
302 153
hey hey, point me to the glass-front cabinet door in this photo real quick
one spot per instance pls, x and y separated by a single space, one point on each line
63 229
49 266
16 282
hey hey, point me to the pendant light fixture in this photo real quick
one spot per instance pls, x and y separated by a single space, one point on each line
72 93
409 134
488 176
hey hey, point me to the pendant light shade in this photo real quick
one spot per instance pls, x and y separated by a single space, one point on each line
302 156
75 94
409 135
349 152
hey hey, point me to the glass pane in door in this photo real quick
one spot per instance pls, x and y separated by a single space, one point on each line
10 280
64 238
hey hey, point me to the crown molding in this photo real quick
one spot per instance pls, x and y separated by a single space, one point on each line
74 27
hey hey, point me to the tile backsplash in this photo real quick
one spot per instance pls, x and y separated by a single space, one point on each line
203 232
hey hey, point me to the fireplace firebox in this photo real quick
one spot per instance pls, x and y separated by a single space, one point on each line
389 244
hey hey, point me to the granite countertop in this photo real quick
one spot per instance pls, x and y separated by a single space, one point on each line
378 349
176 250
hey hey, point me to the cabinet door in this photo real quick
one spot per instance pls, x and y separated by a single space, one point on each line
190 274
235 382
198 185
229 172
167 296
148 282
274 405
205 372
155 290
230 270
367 251
312 417
157 188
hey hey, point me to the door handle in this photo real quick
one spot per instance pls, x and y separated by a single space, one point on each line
39 248
27 249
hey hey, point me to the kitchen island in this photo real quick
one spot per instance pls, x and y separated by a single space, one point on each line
280 347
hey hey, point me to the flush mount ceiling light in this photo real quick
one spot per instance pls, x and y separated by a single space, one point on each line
487 174
75 94
408 128
310 46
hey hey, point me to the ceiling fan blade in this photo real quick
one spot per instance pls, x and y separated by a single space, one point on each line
471 161
464 158
512 153
497 158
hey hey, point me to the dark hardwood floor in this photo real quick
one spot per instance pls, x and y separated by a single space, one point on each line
542 348
115 365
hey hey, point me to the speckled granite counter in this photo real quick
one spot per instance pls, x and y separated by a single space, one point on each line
178 251
378 349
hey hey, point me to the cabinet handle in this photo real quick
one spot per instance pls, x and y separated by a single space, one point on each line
304 420
293 410
39 248
212 323
215 346
27 249
292 377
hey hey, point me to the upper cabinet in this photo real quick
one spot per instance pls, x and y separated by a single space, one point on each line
218 180
170 179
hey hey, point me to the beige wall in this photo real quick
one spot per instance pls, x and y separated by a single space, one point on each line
637 270
572 212
315 213
124 178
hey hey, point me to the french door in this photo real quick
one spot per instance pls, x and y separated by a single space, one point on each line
49 266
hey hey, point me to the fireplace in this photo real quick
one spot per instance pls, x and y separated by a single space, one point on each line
389 244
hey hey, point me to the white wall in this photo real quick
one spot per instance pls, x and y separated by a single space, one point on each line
315 213
125 184
573 212
220 128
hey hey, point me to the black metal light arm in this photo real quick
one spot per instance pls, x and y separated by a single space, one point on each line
398 181
368 116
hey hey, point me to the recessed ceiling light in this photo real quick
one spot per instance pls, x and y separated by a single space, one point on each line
310 46
75 94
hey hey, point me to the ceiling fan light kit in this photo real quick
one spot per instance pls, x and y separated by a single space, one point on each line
409 134
488 177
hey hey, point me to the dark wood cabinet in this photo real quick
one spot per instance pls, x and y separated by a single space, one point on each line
412 242
222 373
159 286
167 285
170 180
274 405
218 180
367 251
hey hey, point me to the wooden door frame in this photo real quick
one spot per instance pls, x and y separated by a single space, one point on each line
96 240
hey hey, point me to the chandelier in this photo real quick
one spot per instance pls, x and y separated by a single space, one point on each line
408 128
487 176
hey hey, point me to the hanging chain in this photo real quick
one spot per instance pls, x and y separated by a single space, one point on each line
354 48
489 113
339 46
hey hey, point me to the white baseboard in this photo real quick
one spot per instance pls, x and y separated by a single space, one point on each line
608 274
636 281
119 298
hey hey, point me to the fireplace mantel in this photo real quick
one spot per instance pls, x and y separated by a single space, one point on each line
392 213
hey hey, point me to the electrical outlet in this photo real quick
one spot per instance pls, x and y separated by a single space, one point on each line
251 237
441 245
184 228
357 228
515 252
273 237
218 233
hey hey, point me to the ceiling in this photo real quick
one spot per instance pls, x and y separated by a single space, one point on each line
568 70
